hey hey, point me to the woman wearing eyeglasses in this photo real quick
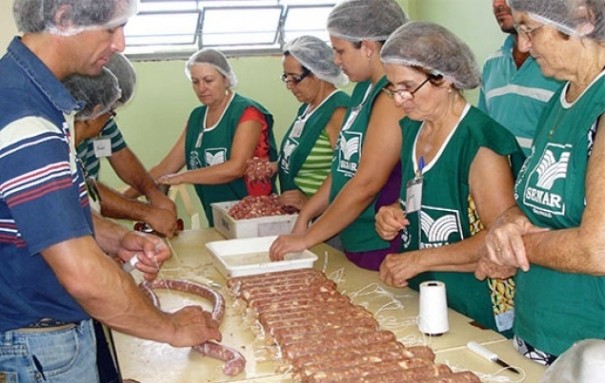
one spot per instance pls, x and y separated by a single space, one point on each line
554 234
365 173
221 136
306 151
457 176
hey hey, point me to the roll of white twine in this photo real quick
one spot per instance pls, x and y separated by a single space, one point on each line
432 313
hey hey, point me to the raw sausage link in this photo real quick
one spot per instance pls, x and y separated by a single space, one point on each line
325 299
256 291
348 353
289 339
299 294
419 367
234 360
412 375
296 350
334 320
321 302
295 290
422 352
282 283
294 311
348 309
217 300
378 356
287 335
271 278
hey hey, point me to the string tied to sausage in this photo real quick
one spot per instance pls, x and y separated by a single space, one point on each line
234 360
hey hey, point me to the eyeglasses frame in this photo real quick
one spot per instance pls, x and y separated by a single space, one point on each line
527 33
295 78
391 93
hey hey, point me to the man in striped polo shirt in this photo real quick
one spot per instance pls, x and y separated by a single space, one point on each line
513 89
55 273
158 211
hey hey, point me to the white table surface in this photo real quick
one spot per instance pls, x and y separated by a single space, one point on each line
395 309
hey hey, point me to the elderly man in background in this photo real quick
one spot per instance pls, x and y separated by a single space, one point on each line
513 90
55 273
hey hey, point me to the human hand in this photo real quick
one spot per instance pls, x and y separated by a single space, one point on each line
504 241
161 201
163 221
294 198
397 269
390 220
169 179
286 244
193 326
150 250
487 269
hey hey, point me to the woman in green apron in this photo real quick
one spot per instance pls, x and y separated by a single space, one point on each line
220 136
306 151
457 176
553 238
365 173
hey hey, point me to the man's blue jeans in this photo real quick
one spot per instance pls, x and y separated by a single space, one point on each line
64 355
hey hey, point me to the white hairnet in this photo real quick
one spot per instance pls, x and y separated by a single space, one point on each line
215 58
572 17
75 16
356 20
434 48
122 68
97 93
584 362
314 54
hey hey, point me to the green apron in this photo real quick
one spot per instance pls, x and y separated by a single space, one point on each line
302 135
448 214
209 147
360 235
556 309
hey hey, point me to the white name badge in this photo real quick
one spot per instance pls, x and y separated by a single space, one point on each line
102 147
413 196
352 117
298 128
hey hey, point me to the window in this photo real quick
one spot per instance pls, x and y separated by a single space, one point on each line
165 29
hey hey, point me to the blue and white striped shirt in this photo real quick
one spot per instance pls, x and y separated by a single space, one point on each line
515 96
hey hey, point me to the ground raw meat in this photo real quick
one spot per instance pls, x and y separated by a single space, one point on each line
258 206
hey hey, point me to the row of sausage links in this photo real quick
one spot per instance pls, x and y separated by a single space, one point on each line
326 338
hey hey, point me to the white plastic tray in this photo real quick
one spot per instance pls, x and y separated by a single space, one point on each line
250 256
249 228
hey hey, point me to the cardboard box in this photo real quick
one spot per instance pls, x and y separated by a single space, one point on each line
250 256
250 228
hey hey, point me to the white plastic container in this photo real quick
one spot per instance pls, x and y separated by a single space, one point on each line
250 228
241 257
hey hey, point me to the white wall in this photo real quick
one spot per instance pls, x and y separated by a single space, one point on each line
152 122
7 24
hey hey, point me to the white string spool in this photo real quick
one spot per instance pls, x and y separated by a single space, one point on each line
432 313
